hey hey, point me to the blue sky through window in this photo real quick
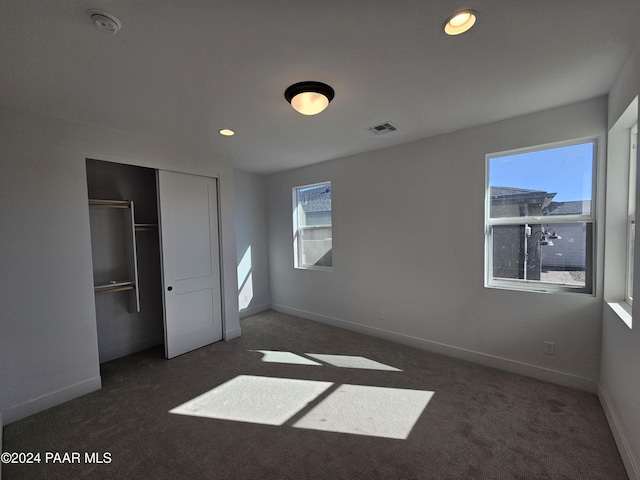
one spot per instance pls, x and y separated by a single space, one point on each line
566 171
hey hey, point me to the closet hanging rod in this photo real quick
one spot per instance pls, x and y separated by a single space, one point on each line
110 203
118 289
113 286
146 227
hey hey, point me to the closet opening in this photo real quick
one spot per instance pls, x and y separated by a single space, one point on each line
125 247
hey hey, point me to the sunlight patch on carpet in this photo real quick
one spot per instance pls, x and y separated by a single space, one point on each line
366 410
312 405
340 361
247 398
271 356
351 361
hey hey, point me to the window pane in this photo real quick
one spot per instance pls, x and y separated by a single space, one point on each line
313 229
554 181
314 247
554 254
314 205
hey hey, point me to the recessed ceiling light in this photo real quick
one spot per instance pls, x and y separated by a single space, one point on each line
309 98
460 22
226 132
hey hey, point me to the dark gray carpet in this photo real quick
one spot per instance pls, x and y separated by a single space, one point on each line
480 423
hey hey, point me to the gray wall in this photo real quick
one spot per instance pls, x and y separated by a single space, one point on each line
251 243
619 387
408 239
48 341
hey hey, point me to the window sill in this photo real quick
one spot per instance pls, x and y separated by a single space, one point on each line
535 287
623 311
313 267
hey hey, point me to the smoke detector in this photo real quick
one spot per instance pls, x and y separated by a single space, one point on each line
105 22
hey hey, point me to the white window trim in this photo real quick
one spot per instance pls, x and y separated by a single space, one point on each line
620 204
536 285
628 287
296 228
633 140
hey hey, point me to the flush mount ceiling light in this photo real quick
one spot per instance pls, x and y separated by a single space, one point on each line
309 98
460 22
226 132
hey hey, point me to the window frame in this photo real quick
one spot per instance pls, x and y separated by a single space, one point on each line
297 264
631 214
589 220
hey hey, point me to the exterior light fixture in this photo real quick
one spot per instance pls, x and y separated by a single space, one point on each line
545 241
547 235
551 234
460 22
226 132
309 98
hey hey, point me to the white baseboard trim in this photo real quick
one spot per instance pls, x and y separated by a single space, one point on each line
35 405
253 310
630 463
500 363
129 348
231 334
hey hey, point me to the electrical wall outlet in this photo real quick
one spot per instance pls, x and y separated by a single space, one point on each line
549 348
383 316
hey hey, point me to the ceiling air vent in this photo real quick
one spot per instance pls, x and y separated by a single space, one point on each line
383 128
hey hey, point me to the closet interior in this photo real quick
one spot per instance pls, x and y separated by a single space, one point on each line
125 247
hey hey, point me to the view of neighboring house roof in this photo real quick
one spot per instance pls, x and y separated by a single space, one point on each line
509 191
575 207
526 199
517 192
513 195
316 199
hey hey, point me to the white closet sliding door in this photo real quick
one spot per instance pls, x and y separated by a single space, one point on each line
188 210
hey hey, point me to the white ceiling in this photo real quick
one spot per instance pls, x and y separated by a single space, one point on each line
183 69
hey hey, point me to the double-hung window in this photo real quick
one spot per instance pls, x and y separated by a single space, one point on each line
312 236
540 218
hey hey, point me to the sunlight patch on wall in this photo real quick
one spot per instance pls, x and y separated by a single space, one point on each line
247 398
366 410
271 356
245 295
350 361
244 267
245 280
